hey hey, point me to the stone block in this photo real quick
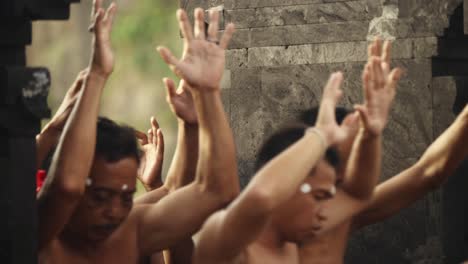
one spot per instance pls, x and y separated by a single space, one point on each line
332 53
247 114
425 47
236 58
308 34
226 99
240 39
421 27
226 80
301 14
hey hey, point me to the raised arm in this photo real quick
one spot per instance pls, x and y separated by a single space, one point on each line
183 167
50 134
74 155
364 164
438 162
184 163
180 214
227 233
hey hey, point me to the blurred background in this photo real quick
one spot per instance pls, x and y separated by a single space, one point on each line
135 91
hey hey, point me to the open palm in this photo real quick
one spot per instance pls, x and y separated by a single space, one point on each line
181 101
202 65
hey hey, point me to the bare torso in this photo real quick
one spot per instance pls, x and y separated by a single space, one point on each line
120 247
328 248
259 254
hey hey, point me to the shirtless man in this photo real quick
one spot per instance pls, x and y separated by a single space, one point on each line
271 211
85 207
438 162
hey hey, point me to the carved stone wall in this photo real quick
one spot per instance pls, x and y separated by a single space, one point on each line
280 58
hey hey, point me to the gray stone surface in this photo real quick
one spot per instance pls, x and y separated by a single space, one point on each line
302 14
282 55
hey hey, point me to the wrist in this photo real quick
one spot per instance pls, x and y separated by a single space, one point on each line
200 91
187 125
97 74
368 135
320 134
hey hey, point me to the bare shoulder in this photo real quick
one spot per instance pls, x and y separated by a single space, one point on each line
206 240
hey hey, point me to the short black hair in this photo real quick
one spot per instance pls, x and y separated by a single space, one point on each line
309 117
115 142
283 139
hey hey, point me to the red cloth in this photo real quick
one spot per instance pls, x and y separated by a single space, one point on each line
40 178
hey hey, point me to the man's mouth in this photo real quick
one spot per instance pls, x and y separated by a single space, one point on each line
105 229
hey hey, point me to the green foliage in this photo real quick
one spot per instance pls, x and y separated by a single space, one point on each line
145 25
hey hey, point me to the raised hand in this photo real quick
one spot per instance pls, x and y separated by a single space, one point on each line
102 61
379 84
202 65
181 101
150 171
61 116
326 120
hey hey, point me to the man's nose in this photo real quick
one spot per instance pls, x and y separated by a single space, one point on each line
115 210
320 214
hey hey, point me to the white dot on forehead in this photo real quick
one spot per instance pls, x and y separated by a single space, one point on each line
333 190
89 182
124 187
306 188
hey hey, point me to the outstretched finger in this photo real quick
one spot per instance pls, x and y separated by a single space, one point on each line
170 89
214 25
160 139
110 14
167 56
394 78
199 23
150 136
97 18
97 4
226 38
366 82
379 75
184 25
387 52
142 137
363 113
378 47
332 90
154 123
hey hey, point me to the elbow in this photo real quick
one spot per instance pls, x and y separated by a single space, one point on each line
435 174
70 190
262 200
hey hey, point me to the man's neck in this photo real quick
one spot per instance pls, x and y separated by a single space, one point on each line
271 238
80 244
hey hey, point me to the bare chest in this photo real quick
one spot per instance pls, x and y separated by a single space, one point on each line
119 251
326 249
260 255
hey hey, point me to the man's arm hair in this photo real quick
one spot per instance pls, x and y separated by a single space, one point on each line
438 162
